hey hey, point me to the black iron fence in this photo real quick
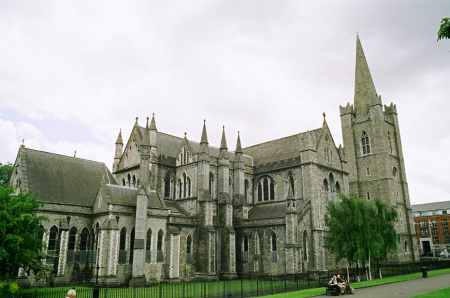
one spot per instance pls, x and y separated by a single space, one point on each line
248 285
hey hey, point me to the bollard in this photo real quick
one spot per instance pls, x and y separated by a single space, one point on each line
424 272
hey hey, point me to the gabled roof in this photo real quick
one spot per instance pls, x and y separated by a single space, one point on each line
273 210
63 179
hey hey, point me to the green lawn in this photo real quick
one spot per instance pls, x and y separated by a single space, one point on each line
443 293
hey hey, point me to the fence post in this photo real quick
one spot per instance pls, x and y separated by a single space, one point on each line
257 286
271 283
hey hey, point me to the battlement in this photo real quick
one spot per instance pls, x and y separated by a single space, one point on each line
375 101
348 109
391 109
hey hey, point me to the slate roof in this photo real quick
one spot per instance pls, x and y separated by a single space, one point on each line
64 179
431 206
127 196
279 149
273 210
175 208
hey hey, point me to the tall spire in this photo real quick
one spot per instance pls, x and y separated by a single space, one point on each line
145 137
153 123
204 136
223 146
364 87
238 145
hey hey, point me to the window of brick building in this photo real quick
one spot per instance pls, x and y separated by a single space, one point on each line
435 232
445 231
444 222
433 223
436 240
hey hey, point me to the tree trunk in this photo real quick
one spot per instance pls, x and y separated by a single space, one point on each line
348 275
368 266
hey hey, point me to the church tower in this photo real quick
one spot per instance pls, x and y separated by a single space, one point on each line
373 149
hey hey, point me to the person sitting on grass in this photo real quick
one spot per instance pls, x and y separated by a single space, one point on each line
71 293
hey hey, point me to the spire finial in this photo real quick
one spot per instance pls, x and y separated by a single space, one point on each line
185 133
324 115
204 136
137 119
23 143
223 143
153 123
238 144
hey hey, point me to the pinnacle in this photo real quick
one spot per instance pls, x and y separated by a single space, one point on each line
364 86
204 136
223 143
119 138
153 123
238 144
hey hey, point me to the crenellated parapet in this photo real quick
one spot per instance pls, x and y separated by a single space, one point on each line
348 109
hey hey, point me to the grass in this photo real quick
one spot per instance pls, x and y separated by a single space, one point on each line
442 293
321 290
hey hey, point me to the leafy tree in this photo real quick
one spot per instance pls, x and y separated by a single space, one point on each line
21 244
5 173
359 230
444 30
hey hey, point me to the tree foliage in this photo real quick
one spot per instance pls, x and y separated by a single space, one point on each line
5 173
21 244
444 30
359 230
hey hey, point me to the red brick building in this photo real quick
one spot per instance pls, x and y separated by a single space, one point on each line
432 228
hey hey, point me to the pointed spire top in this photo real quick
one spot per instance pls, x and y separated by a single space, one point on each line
146 126
364 86
324 117
153 123
185 133
204 136
137 120
223 143
238 144
119 138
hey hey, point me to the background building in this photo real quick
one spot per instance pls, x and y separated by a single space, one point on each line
431 222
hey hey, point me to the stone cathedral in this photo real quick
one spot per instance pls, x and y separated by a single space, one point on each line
174 209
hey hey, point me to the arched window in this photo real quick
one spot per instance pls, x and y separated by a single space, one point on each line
325 196
338 189
184 185
122 246
188 187
180 188
331 189
52 243
123 182
189 250
211 183
245 248
259 192
148 244
305 245
71 245
167 184
129 180
266 189
273 242
84 245
131 246
159 247
365 142
390 143
406 246
134 181
394 171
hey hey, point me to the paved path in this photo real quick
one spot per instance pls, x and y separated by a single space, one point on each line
404 288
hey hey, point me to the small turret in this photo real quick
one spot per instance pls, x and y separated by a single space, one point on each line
153 132
119 149
145 158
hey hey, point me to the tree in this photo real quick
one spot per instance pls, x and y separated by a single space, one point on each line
359 230
444 30
21 244
5 173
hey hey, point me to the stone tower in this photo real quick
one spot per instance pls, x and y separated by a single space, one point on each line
373 149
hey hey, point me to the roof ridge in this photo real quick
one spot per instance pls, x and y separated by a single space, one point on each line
67 156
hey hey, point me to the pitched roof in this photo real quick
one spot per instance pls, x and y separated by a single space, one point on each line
64 179
431 206
273 210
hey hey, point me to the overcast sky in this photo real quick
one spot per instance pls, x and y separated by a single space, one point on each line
72 73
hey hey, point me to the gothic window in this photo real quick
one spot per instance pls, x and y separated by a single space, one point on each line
368 196
211 183
189 250
71 245
245 248
230 184
266 189
84 245
122 246
134 181
331 189
368 171
131 246
123 182
159 247
338 190
189 186
129 180
406 246
394 171
325 195
365 142
291 184
180 188
305 246
148 244
273 242
390 142
167 184
184 185
52 243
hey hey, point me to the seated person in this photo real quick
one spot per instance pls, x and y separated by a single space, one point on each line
334 284
342 282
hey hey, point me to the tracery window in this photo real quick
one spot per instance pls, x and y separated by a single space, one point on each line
168 184
273 242
52 243
84 245
159 247
365 142
266 189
